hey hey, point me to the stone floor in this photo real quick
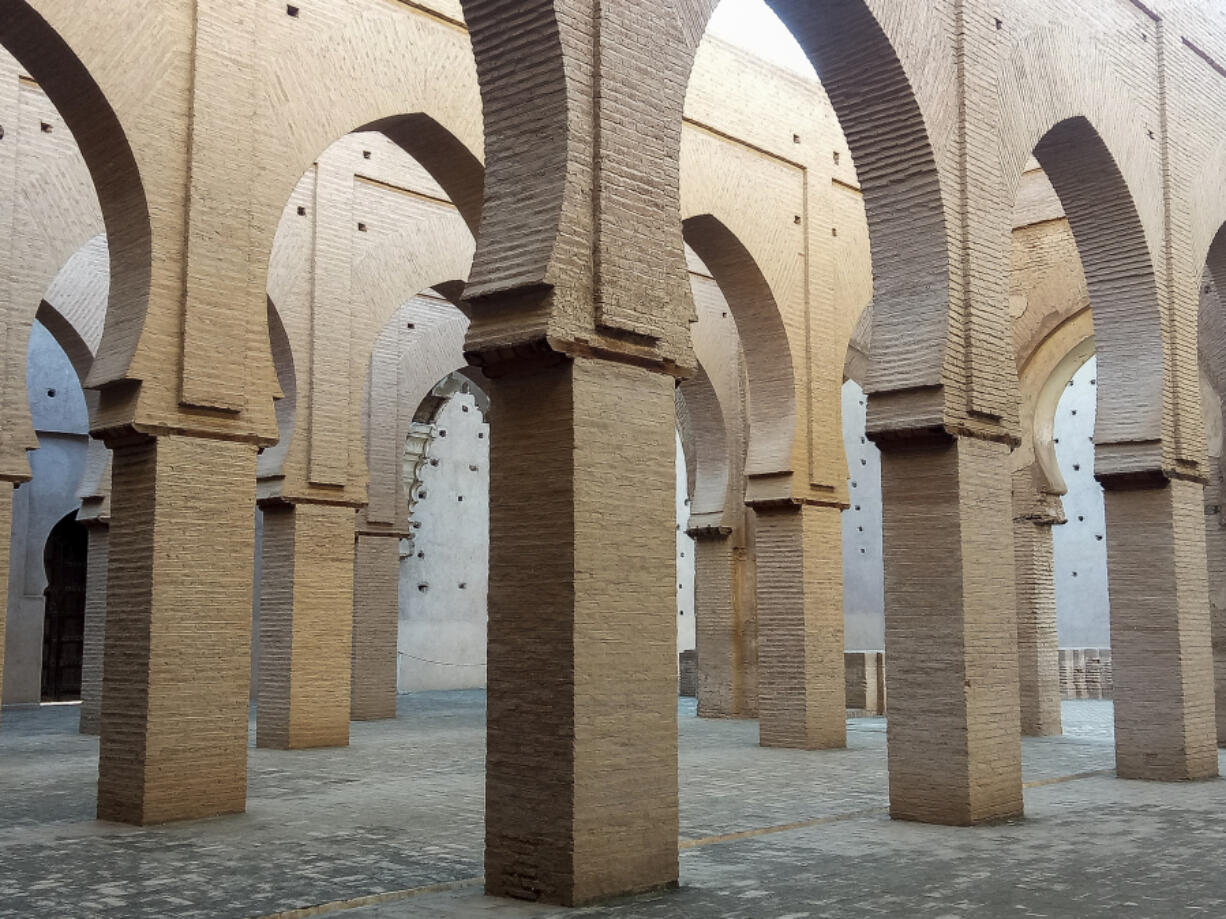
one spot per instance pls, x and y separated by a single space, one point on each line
391 827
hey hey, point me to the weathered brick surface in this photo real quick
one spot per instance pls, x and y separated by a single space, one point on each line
306 626
864 675
376 619
581 781
1215 552
801 700
954 733
1037 639
95 628
6 523
1160 632
178 631
721 665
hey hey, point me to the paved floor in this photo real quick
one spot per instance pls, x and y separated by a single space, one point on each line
766 834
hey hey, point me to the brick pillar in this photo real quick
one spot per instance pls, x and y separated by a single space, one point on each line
178 630
1215 551
721 669
306 626
1038 653
95 627
581 762
1160 631
951 633
6 536
376 622
801 694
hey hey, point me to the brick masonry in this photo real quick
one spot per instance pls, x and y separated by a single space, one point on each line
580 258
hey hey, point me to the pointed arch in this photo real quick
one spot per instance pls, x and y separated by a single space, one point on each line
101 137
768 355
1119 271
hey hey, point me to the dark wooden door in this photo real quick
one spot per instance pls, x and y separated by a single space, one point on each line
64 560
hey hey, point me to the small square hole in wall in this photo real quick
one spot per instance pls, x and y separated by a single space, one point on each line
361 227
464 408
797 220
442 433
795 138
301 211
365 154
460 498
291 10
999 25
834 231
836 157
481 436
45 127
410 325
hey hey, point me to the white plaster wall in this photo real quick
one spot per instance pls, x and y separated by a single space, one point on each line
686 639
62 423
863 568
443 582
1080 546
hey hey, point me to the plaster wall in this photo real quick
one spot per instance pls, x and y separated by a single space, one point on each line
443 583
863 566
1080 545
686 637
57 406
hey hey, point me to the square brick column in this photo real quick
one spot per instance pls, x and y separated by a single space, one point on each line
802 699
581 762
1161 650
1038 645
6 537
954 734
178 631
1215 551
306 626
376 625
722 675
95 627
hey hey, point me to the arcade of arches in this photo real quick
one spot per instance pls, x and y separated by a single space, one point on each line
362 346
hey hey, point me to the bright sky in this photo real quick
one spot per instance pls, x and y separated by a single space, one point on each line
753 26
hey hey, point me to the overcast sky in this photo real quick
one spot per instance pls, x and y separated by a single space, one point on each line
752 25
